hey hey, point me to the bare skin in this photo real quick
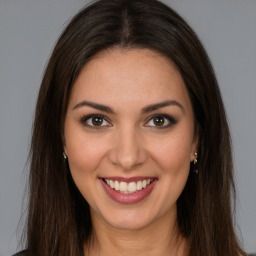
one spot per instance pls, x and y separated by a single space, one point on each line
158 239
130 118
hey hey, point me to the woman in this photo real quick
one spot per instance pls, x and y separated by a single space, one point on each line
131 149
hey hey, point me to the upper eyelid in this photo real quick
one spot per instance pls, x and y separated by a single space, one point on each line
93 115
170 122
167 116
87 117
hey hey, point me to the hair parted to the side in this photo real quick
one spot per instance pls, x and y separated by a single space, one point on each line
58 216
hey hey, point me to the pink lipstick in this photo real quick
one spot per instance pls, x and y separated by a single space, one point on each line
128 190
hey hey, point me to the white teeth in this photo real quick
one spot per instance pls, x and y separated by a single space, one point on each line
111 183
132 187
123 186
128 188
116 185
139 185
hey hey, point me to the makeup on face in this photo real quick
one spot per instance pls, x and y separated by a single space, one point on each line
129 134
128 192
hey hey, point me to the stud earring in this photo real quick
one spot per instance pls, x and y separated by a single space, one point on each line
195 160
64 155
195 163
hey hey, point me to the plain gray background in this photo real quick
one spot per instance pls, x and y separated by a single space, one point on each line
28 31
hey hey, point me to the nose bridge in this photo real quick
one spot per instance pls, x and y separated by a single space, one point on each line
127 150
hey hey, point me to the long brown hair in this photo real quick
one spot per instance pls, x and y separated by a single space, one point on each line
58 216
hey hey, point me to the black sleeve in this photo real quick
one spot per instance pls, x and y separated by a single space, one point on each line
22 253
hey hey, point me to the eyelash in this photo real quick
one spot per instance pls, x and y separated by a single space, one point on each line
169 119
85 119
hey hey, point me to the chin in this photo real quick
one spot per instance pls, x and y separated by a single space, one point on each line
131 220
129 224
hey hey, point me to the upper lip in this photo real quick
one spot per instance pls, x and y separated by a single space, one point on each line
130 179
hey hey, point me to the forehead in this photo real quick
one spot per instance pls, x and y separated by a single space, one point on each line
131 76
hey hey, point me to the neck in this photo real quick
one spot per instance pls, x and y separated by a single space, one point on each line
161 238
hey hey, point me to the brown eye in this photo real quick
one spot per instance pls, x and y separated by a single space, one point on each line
97 121
159 121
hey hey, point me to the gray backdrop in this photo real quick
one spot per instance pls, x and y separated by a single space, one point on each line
28 31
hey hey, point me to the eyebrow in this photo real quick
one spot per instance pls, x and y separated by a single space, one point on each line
144 110
167 103
94 105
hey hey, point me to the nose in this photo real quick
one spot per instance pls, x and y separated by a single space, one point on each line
128 150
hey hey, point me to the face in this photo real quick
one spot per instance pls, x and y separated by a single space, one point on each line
129 137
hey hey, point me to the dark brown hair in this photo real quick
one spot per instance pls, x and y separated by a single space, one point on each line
58 216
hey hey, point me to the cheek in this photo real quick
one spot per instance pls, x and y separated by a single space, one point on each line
173 154
173 157
85 151
84 155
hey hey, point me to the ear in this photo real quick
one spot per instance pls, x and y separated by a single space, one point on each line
195 145
65 151
64 143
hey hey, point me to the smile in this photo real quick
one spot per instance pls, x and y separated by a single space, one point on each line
128 190
128 187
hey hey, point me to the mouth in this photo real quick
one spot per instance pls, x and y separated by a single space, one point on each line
128 187
128 191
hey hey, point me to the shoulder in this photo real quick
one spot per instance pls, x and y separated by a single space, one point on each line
22 253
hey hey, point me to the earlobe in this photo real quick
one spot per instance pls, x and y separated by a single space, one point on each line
195 157
195 163
65 155
64 147
195 147
65 151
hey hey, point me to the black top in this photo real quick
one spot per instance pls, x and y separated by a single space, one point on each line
23 253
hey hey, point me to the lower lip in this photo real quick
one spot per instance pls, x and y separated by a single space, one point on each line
128 198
